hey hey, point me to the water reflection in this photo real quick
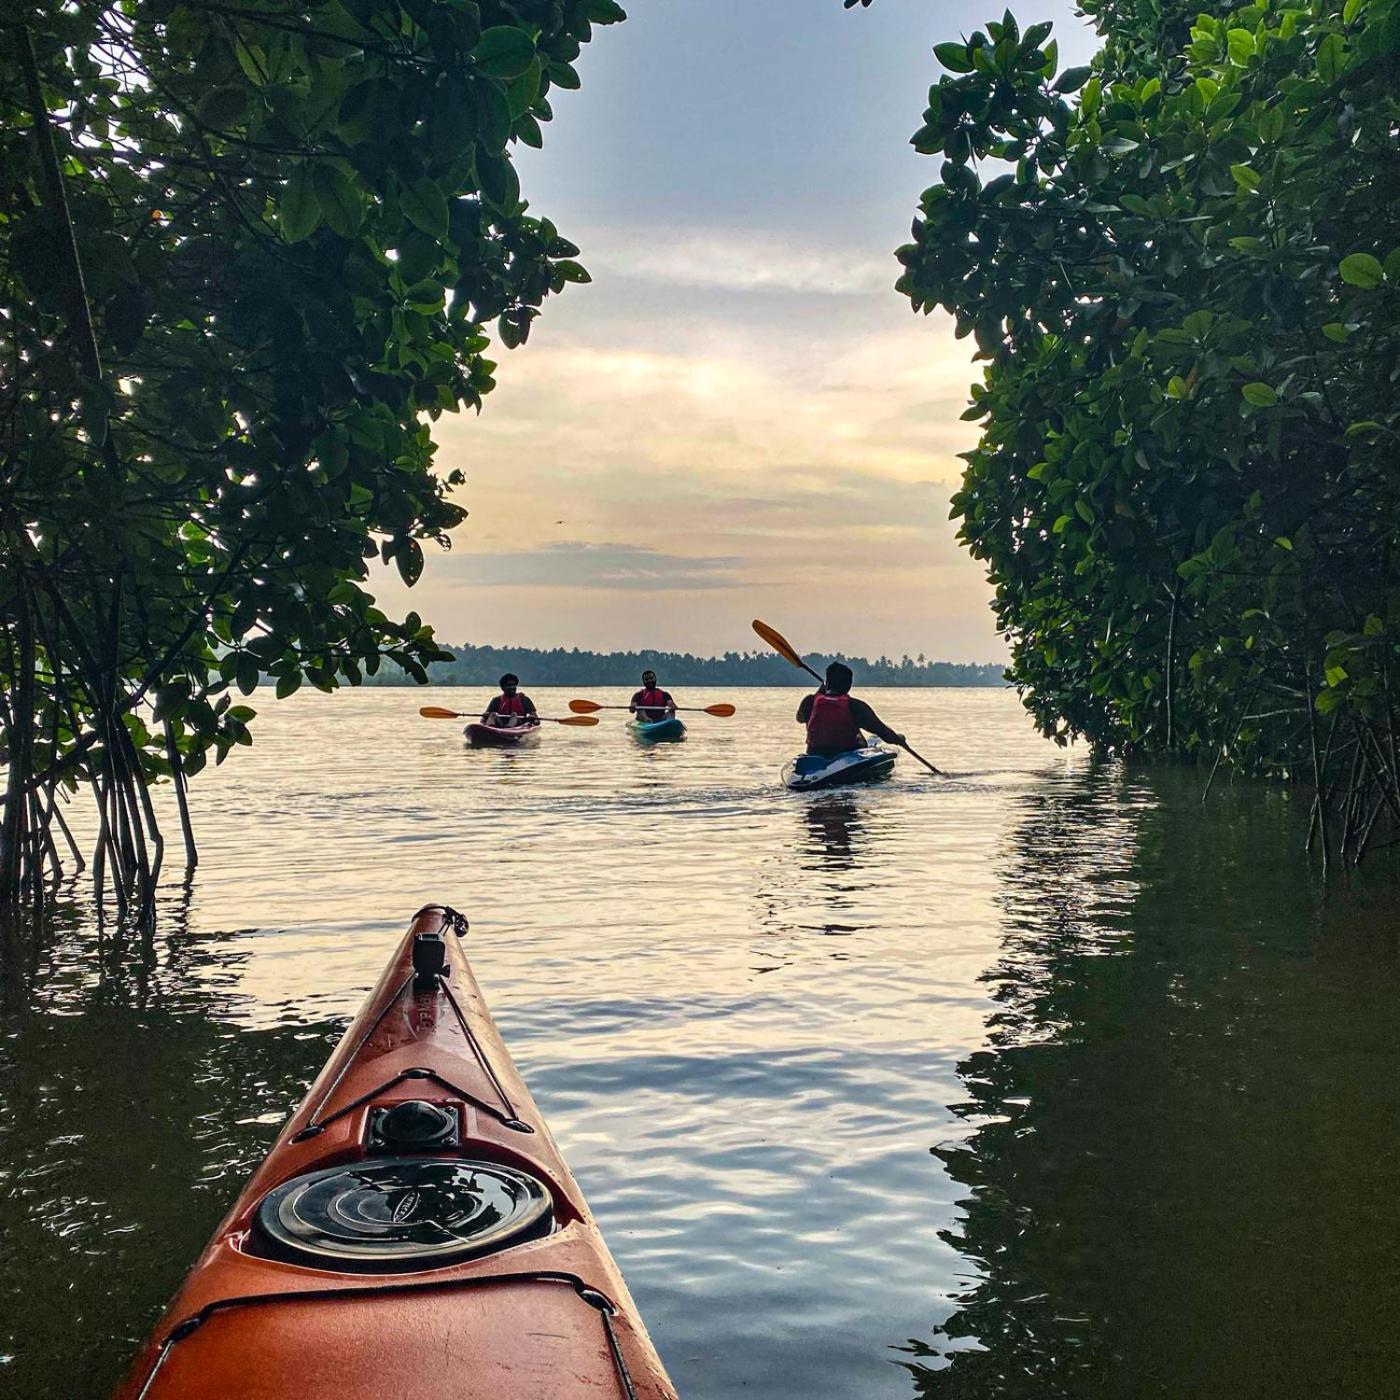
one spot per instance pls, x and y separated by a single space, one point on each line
835 829
1179 1162
129 1117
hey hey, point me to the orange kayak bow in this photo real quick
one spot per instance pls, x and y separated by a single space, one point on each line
413 1231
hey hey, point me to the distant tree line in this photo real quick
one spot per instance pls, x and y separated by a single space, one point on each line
485 665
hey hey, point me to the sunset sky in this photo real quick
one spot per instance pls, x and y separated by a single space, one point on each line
739 415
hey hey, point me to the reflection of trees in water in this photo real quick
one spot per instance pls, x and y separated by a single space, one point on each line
120 1090
1180 1168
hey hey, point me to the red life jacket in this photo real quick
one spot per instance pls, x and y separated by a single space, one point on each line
510 705
654 699
830 726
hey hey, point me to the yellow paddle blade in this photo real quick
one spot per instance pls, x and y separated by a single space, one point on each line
578 720
437 712
778 642
723 711
583 707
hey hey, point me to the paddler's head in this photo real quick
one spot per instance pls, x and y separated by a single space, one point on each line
838 679
648 680
509 683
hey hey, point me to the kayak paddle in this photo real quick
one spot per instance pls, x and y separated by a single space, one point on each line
788 652
586 707
437 712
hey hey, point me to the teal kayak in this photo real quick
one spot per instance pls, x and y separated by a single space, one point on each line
668 728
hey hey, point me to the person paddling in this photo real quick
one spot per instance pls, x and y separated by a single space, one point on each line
835 718
510 709
651 703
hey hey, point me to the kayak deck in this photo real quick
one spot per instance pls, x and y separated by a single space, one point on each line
491 736
809 772
413 1231
668 728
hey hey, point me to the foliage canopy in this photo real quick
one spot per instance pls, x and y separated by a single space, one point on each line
1185 285
246 254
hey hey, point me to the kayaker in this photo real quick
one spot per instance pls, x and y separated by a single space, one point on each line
510 708
835 718
650 703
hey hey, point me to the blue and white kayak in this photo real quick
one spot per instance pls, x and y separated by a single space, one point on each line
668 728
866 765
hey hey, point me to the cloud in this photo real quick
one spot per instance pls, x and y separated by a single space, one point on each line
735 261
579 564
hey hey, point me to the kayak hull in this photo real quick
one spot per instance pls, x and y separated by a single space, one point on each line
542 1318
490 736
651 730
807 773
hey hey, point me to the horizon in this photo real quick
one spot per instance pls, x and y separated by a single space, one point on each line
757 650
739 414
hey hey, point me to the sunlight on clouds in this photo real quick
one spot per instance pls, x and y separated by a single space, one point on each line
654 471
738 261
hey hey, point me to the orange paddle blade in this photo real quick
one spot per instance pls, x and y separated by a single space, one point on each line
723 711
778 642
582 720
584 707
437 712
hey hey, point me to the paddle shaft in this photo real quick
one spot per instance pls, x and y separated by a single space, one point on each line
439 712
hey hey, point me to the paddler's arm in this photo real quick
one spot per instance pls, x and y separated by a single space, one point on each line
804 710
528 705
866 718
489 710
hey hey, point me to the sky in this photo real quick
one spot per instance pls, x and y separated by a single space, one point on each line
739 416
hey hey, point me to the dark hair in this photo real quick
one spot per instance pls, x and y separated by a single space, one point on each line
648 672
838 678
508 679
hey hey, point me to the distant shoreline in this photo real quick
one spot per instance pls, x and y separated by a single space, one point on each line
404 682
483 666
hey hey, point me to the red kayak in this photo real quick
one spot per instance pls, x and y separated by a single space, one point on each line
413 1231
492 736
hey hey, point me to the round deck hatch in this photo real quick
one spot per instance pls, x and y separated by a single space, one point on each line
398 1214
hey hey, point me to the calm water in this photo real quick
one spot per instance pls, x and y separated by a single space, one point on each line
1038 1080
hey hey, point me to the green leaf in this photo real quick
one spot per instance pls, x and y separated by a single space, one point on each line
1072 79
224 107
1244 177
1331 58
503 51
410 561
573 272
1391 266
1059 526
1259 394
425 207
1336 330
495 119
1241 47
954 57
340 198
1084 510
299 211
288 684
604 11
1335 675
1362 270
